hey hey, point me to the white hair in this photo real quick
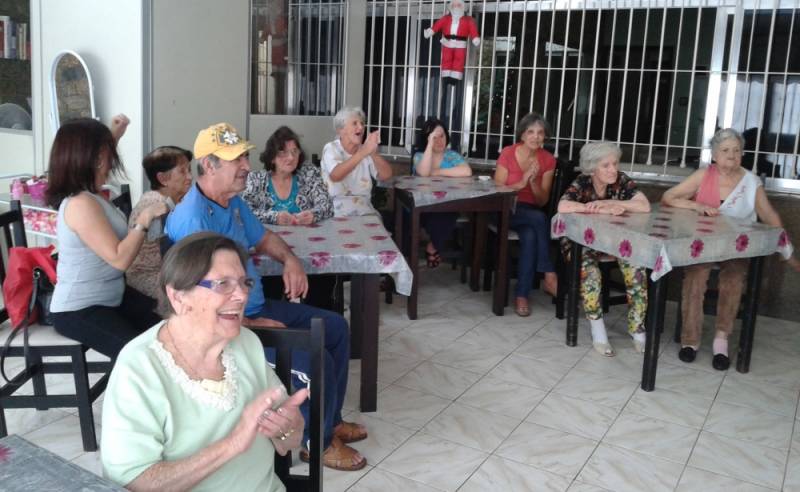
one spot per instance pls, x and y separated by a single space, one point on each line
344 114
725 134
594 152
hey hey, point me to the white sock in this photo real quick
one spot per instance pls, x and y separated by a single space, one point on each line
599 334
721 346
639 337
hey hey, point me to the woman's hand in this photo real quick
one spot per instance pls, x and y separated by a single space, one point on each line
119 124
151 212
243 435
794 263
285 218
706 210
372 141
284 425
602 207
306 217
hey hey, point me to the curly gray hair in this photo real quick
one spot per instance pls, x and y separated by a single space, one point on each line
725 134
344 114
594 152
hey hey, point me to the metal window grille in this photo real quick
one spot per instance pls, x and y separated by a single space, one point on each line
298 56
656 76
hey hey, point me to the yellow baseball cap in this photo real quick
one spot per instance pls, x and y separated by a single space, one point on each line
222 140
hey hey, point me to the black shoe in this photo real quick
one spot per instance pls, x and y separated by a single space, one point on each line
721 362
687 354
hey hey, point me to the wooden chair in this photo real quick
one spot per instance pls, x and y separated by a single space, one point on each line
284 341
45 342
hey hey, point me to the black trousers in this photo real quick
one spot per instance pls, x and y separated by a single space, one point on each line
107 329
320 290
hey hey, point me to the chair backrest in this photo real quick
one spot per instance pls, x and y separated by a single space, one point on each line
13 233
284 341
563 176
123 201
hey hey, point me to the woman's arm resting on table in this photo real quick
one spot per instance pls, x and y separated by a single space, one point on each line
570 206
639 203
680 195
461 170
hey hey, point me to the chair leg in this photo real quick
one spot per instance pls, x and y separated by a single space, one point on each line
678 323
85 414
3 428
605 293
39 385
389 294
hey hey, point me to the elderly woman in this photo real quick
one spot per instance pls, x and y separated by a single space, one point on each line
438 160
728 189
528 168
349 164
91 303
288 191
191 403
167 169
602 189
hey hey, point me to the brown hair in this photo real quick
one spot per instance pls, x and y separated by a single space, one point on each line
528 121
188 261
275 143
162 160
74 158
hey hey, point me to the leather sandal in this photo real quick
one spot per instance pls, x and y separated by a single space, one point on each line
338 456
433 259
349 432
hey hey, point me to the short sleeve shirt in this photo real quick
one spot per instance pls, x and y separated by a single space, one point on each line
197 213
353 194
582 190
450 159
508 160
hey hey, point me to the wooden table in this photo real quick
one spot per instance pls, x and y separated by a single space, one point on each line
419 195
361 247
25 467
661 240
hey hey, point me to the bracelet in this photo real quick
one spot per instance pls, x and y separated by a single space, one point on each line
139 227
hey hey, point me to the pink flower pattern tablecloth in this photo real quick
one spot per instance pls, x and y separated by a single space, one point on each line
435 189
342 245
670 237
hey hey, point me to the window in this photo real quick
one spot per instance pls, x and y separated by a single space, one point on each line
15 65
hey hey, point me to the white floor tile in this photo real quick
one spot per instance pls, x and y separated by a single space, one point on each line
678 408
378 480
497 474
597 388
547 449
664 440
750 424
435 379
694 479
579 417
622 470
739 459
470 426
529 372
502 397
62 437
408 408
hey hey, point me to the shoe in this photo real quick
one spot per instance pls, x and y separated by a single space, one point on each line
349 432
687 354
522 308
433 259
604 349
338 456
721 362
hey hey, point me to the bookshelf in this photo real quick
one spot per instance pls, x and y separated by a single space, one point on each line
15 65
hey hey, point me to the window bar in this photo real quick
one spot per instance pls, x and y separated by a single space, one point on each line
691 84
603 135
578 73
535 55
565 54
383 64
343 39
733 65
307 95
317 102
415 70
590 107
332 67
625 72
641 83
505 81
430 67
393 78
406 69
371 62
785 90
549 62
290 76
521 56
491 85
761 122
478 88
658 81
747 76
675 69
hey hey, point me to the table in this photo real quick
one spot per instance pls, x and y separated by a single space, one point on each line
420 195
664 239
25 467
362 247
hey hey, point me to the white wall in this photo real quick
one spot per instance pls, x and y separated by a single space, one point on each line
108 35
16 152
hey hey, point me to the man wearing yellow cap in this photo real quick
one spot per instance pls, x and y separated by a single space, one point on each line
213 204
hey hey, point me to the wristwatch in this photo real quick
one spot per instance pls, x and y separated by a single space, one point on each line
139 227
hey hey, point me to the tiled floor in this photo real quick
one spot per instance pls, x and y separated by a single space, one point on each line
473 402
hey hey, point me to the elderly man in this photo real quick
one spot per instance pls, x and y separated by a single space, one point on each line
213 204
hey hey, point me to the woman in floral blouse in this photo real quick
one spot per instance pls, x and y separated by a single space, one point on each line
603 189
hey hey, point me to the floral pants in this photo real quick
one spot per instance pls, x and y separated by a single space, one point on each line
635 287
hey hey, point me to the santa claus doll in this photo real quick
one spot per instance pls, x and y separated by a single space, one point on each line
456 29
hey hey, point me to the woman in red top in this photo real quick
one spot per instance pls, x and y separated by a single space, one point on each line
528 168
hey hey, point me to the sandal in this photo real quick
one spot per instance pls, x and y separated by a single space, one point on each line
522 308
338 456
349 432
433 259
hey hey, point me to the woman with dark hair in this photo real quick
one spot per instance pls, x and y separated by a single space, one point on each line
192 403
288 191
529 169
438 160
91 303
167 169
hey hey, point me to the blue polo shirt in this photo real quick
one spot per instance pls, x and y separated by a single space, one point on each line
196 213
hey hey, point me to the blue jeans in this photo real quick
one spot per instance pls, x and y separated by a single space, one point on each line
337 357
533 228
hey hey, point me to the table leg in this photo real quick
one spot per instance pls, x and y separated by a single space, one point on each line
574 293
656 304
357 300
749 315
398 223
413 260
369 317
478 250
501 274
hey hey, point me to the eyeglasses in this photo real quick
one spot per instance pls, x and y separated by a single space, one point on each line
283 154
227 285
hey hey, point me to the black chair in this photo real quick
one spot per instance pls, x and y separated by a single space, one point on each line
45 342
284 341
123 201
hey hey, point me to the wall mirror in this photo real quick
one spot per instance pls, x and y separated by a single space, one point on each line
71 89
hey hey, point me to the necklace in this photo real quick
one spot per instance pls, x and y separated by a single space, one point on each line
195 373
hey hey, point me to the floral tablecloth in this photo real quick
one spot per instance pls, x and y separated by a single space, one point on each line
670 237
342 245
429 190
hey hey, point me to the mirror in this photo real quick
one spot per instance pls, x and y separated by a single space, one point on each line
71 89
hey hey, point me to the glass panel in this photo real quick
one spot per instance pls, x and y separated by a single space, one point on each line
15 65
